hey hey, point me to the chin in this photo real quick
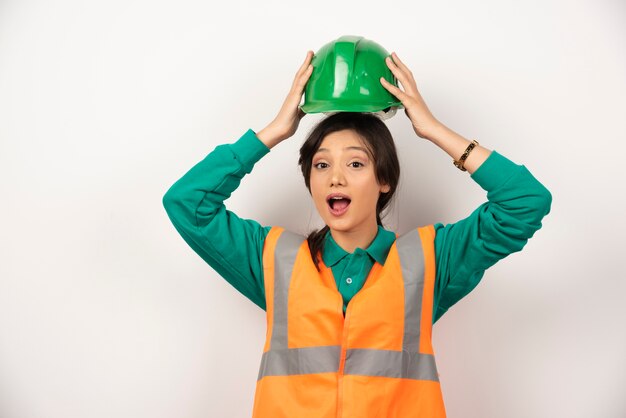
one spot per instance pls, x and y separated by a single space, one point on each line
340 225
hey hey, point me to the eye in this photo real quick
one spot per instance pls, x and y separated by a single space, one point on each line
317 165
357 162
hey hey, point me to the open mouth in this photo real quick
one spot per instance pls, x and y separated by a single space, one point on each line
338 204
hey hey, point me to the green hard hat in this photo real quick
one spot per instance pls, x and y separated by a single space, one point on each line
346 78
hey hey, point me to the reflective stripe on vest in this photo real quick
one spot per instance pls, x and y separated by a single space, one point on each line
409 363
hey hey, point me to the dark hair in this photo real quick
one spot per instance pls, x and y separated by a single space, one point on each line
378 141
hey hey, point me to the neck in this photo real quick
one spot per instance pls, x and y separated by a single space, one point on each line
351 240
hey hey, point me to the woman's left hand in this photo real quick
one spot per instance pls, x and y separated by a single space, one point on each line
414 106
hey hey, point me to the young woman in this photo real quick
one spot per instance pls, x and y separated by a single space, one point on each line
350 308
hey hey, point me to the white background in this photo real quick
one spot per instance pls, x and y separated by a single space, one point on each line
106 312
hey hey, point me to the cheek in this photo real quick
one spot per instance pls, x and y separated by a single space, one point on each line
370 192
316 190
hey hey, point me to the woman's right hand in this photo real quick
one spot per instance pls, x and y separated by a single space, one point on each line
286 122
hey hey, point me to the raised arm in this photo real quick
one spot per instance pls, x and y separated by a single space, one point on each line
195 206
517 202
195 203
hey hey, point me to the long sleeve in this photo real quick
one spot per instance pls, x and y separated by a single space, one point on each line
516 205
195 204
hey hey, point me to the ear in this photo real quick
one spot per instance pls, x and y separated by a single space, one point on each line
385 188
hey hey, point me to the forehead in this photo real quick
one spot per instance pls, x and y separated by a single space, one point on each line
342 141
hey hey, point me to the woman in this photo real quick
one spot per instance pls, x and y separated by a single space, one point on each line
350 308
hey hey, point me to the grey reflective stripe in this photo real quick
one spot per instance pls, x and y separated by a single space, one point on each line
280 360
390 363
408 363
284 258
412 261
305 360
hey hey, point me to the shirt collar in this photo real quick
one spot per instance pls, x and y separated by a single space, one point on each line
378 249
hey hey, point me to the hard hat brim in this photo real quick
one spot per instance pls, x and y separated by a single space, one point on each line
347 107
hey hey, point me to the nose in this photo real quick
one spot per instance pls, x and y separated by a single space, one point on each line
337 176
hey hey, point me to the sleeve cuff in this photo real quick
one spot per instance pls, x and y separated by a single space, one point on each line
495 171
249 149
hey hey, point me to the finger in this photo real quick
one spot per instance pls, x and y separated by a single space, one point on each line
402 96
305 64
305 68
400 75
400 64
301 79
406 79
395 70
297 89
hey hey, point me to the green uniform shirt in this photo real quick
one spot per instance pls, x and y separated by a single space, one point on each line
233 246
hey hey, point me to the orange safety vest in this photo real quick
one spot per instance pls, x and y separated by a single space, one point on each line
378 361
